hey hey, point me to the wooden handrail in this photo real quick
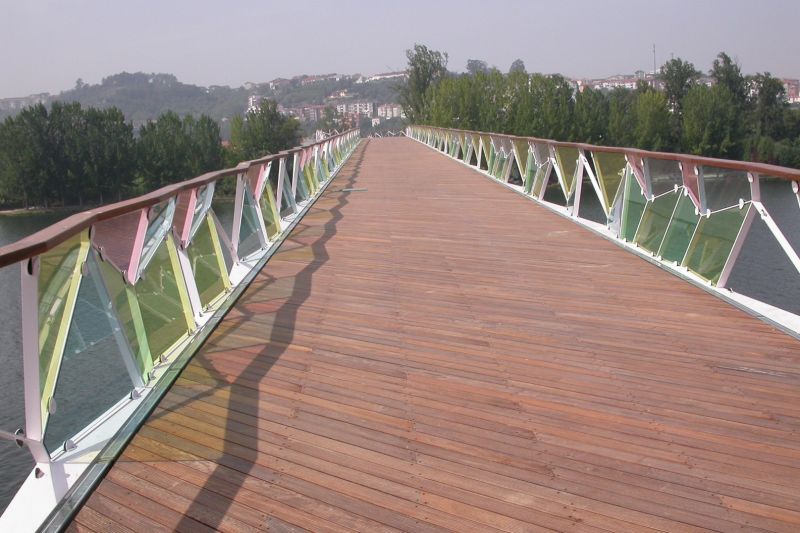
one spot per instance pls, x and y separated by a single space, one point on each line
776 171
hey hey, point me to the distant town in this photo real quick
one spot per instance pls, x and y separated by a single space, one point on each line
301 96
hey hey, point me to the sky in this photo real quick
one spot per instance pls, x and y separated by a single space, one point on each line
46 45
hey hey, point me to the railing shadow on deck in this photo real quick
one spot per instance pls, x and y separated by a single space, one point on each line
245 396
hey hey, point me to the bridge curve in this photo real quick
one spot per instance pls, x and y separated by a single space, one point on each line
429 351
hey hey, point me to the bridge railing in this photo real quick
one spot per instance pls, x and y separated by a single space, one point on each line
109 297
691 214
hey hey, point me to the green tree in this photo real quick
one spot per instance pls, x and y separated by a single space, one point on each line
768 105
591 117
652 130
425 69
109 157
262 132
711 125
727 73
172 149
678 77
621 119
475 66
517 66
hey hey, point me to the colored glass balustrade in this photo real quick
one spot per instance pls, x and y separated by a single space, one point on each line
689 213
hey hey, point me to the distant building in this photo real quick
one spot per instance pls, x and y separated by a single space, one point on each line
15 104
390 111
792 90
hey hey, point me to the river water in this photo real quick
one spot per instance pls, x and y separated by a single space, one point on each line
763 272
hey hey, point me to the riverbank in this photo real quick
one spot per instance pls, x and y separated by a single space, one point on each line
14 211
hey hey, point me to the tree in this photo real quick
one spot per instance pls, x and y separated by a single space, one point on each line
652 130
678 77
263 131
172 149
517 66
711 125
475 66
768 105
727 73
591 117
621 119
109 158
425 69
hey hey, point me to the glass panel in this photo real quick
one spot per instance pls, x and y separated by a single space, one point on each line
59 279
250 230
521 155
224 203
590 207
126 308
200 207
15 463
567 161
270 213
165 308
530 171
301 190
610 171
288 205
159 222
632 207
93 376
680 231
713 241
656 217
724 188
208 263
665 175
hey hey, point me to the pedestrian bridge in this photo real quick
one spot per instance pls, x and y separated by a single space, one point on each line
422 341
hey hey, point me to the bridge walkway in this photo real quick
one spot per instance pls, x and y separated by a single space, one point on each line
435 352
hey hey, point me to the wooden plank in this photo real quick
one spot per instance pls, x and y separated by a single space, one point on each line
437 353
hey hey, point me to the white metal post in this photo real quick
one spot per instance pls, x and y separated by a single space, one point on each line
29 297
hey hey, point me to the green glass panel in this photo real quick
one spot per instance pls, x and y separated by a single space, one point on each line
680 231
161 301
59 280
126 308
301 189
223 203
505 170
288 205
713 241
250 229
610 170
655 219
93 376
270 213
567 161
632 207
159 222
198 217
530 172
208 265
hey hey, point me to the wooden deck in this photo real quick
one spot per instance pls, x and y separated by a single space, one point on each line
439 353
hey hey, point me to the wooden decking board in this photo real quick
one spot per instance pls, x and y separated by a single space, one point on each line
438 353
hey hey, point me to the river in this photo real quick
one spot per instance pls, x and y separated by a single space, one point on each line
763 272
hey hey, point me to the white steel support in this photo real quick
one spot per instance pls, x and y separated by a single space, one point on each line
281 174
577 185
29 297
237 216
191 284
739 242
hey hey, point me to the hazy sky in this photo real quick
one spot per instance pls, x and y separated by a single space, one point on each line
46 45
